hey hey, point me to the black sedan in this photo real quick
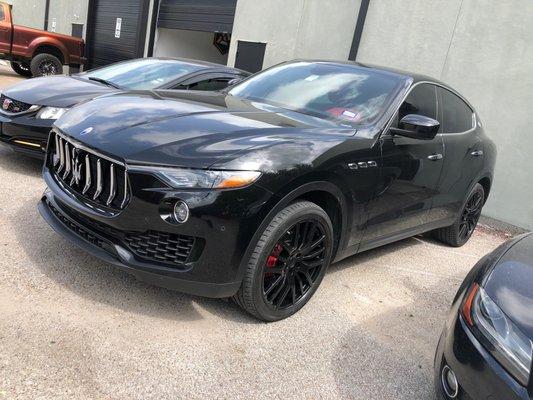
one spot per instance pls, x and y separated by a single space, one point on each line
486 347
252 192
29 109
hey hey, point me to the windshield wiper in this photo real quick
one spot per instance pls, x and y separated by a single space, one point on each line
100 80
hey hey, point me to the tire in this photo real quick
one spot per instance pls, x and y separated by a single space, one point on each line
23 69
288 262
46 64
456 235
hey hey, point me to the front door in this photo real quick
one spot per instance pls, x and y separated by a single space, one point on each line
410 173
5 29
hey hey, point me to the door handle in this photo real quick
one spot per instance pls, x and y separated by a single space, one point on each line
477 153
435 157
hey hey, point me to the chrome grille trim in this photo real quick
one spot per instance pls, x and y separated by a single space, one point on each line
85 172
99 184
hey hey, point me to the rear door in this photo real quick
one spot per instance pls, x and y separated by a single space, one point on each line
5 29
410 173
463 154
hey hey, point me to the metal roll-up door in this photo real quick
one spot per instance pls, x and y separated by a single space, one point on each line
197 15
116 31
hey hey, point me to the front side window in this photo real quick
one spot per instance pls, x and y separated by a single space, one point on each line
143 74
457 115
349 94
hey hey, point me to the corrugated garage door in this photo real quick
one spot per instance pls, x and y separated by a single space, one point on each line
116 31
197 15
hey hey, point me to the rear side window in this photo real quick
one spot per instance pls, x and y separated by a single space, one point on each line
457 115
422 100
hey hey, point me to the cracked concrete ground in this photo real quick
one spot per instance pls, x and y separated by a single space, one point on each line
72 327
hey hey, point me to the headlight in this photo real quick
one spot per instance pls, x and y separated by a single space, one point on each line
498 334
201 179
51 113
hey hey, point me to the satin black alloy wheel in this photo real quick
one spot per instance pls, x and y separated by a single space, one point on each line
21 68
460 232
288 262
46 65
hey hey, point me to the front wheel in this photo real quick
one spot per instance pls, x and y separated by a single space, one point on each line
21 68
458 234
46 64
288 262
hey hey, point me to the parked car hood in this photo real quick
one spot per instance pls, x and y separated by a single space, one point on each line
145 128
56 91
510 284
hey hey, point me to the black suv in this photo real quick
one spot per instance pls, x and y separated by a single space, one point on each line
253 191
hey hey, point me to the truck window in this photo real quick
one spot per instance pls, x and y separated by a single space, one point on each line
2 14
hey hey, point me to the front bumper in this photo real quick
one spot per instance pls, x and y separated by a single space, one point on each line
479 375
25 134
223 234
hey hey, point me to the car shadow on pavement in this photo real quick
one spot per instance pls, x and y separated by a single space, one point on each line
97 281
19 163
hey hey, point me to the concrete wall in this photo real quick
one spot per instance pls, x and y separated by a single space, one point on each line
28 12
66 12
188 44
484 49
296 28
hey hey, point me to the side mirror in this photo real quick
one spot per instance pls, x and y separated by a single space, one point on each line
417 127
234 81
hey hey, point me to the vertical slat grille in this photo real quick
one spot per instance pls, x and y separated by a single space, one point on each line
97 178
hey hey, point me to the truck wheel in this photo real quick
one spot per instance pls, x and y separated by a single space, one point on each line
22 69
288 263
46 64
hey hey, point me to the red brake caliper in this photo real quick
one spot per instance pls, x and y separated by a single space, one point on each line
273 257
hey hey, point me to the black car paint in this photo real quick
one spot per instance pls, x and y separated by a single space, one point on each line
66 91
298 155
506 274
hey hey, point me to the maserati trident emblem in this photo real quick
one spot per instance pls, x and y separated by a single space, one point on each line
86 131
76 167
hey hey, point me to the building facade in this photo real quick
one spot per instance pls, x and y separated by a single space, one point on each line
480 47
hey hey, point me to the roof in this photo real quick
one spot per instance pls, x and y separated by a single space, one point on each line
202 63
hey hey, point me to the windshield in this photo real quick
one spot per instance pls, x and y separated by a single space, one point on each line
143 74
346 93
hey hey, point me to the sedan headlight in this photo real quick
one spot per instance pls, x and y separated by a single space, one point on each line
200 179
51 113
498 334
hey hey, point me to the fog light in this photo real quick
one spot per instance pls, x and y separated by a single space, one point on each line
449 382
181 212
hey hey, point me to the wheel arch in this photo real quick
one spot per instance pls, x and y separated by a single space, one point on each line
486 182
325 194
55 48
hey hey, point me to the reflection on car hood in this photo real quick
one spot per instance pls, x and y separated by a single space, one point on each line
510 284
146 128
56 91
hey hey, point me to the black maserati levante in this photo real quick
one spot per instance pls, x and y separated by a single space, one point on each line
252 192
486 348
29 109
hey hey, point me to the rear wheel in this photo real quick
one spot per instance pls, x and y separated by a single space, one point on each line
46 64
21 68
288 263
458 234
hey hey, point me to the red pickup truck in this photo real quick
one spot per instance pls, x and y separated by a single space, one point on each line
34 52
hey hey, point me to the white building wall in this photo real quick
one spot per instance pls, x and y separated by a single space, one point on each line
484 49
187 44
28 13
296 28
68 12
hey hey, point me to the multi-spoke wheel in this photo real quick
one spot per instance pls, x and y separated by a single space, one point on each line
458 234
21 68
46 64
288 263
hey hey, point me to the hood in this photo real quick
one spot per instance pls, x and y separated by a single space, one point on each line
510 284
150 129
56 91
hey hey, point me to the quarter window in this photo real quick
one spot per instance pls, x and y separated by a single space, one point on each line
457 115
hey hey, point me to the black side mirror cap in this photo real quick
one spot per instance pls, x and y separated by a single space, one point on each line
416 126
